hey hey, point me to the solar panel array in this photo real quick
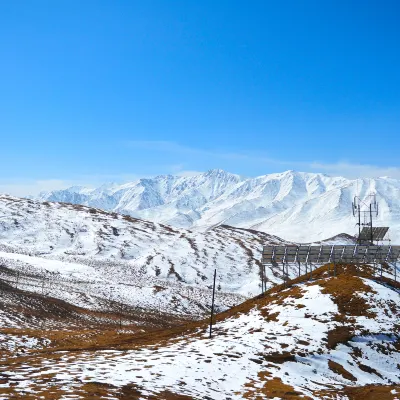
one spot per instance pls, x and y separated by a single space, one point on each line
329 253
378 233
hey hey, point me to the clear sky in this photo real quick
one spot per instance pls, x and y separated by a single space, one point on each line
96 91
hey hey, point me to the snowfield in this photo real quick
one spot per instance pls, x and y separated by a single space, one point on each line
281 342
89 257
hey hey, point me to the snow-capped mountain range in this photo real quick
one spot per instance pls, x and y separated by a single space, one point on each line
297 206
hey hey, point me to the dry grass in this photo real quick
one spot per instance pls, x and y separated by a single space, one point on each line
368 392
338 369
343 290
91 391
273 388
341 334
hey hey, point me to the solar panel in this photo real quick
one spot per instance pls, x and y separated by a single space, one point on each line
394 253
268 250
360 253
279 255
382 254
337 253
365 233
324 254
291 252
267 255
373 253
314 254
348 254
302 255
378 233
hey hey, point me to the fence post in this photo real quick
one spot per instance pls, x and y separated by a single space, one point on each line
262 278
212 304
334 265
283 273
287 272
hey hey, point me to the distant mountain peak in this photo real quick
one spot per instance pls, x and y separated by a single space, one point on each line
216 171
299 206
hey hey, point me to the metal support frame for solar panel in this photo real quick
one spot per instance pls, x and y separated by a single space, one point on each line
309 256
392 257
394 253
314 257
349 254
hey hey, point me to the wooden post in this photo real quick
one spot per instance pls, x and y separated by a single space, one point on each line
287 273
283 271
334 265
212 304
264 281
262 278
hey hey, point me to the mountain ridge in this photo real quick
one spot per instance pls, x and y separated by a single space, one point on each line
299 206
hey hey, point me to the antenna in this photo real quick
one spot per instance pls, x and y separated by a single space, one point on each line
366 209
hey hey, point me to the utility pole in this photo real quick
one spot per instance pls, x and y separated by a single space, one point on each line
212 304
370 216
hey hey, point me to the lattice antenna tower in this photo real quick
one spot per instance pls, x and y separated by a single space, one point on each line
365 210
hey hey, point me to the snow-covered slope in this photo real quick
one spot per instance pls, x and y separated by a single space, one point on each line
84 255
333 338
298 206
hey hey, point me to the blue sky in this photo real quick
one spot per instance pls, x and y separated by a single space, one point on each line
95 91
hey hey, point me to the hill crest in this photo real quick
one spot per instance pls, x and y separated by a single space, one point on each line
333 337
